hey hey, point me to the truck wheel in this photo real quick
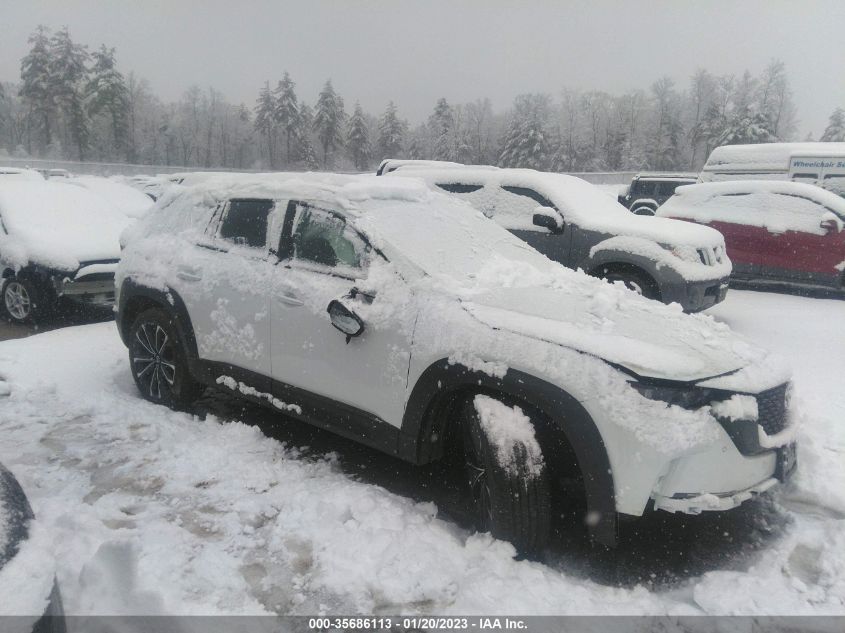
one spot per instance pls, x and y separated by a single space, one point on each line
640 283
24 301
158 362
512 501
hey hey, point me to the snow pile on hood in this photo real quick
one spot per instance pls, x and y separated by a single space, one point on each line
13 173
580 203
119 197
56 225
777 205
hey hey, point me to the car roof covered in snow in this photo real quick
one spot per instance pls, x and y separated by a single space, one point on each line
694 195
16 173
767 156
118 196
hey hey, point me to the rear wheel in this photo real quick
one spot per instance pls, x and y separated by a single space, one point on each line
512 503
158 362
643 210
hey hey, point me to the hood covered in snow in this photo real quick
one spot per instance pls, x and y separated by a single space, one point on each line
645 337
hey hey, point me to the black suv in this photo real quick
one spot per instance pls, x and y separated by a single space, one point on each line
648 191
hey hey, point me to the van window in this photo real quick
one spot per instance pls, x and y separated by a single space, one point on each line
245 222
805 177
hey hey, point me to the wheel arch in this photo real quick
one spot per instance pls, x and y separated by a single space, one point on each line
443 385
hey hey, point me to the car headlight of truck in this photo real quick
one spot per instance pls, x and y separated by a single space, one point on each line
684 396
689 254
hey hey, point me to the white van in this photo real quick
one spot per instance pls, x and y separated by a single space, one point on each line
820 164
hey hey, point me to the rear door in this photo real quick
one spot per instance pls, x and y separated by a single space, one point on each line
224 285
322 257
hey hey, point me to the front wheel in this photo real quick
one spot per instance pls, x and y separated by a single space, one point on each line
505 476
24 301
158 362
633 280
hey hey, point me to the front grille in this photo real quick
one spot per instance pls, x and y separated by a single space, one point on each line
771 409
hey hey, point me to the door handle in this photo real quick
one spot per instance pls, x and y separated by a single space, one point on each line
290 300
188 274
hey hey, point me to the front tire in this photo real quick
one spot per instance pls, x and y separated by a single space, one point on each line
640 283
24 301
158 362
513 504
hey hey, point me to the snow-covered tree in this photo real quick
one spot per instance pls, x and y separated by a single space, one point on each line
107 95
747 127
358 139
68 74
391 133
287 113
329 120
441 124
265 120
37 85
835 130
305 148
526 141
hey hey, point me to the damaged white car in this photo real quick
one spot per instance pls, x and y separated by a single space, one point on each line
404 319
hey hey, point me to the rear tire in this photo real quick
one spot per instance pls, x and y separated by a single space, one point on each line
643 211
512 506
25 301
158 361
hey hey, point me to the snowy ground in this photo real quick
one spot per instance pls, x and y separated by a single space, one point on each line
159 512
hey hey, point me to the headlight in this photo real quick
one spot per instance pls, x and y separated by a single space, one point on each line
684 396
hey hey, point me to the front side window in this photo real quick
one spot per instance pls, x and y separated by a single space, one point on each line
531 195
245 222
322 238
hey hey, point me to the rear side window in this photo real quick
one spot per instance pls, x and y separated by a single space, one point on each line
459 188
245 222
642 188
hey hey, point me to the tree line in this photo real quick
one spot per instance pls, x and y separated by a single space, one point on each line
72 103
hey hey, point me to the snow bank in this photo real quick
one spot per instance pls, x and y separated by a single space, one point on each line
509 429
56 225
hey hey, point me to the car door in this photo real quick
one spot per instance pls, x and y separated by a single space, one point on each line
322 259
514 208
223 282
794 246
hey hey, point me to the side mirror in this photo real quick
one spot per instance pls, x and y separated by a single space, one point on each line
345 320
830 223
548 218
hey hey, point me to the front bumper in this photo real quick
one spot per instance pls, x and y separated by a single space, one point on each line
696 504
695 296
92 284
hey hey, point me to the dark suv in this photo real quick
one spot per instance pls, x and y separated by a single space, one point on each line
648 191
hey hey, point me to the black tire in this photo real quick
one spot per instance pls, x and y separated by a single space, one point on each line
158 361
643 210
512 506
634 280
25 301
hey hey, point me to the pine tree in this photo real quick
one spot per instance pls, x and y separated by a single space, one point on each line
747 127
305 149
835 130
68 75
391 133
36 85
526 141
107 93
358 139
329 119
265 119
442 124
287 113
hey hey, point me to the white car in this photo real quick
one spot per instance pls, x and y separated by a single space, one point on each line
119 197
404 319
57 240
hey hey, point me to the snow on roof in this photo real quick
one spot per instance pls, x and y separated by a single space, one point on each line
700 193
663 176
16 173
767 156
580 203
56 224
119 197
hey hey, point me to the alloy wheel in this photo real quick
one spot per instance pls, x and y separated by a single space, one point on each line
153 360
17 300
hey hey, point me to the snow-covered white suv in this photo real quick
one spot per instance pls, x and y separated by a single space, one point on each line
404 319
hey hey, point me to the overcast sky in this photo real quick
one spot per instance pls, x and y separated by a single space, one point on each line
415 52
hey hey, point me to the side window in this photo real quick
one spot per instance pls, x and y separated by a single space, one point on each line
322 238
245 222
667 188
541 201
459 188
642 188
